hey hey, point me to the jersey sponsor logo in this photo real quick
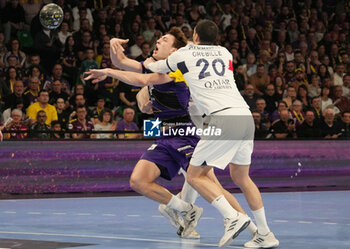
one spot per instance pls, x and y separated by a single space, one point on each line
218 84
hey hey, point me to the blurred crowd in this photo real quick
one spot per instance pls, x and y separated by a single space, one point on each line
290 59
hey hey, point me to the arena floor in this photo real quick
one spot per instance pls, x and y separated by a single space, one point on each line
308 220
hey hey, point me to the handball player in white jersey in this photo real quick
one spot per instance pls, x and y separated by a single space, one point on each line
207 69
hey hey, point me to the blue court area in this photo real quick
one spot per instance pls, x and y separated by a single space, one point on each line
312 220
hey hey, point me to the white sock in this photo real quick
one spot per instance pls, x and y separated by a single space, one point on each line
224 207
252 227
178 204
261 223
188 193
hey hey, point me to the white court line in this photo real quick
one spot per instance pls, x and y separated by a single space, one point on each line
157 216
108 215
280 221
330 223
9 212
304 222
83 214
117 238
133 215
33 213
59 213
207 218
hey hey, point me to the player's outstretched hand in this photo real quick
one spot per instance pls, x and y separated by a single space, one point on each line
148 61
116 42
96 75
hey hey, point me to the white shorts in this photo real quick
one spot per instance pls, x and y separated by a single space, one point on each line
234 145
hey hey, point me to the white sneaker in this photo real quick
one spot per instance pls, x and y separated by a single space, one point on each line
193 235
233 227
190 219
263 241
171 215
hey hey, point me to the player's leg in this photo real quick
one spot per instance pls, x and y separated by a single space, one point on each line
264 237
142 181
235 222
233 202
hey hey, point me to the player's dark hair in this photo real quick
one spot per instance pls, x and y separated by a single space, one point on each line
207 31
180 38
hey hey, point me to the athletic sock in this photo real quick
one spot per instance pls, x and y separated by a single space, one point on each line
188 193
261 223
252 228
224 207
179 205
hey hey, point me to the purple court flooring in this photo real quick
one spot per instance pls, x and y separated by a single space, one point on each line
308 220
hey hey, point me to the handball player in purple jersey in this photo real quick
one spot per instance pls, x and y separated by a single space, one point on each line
169 154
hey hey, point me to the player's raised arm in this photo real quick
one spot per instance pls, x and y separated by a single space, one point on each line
164 66
131 78
120 60
143 101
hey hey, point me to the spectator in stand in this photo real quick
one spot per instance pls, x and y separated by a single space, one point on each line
297 112
284 127
12 18
339 74
62 113
11 100
16 125
39 129
47 45
35 71
270 98
80 124
299 79
151 34
163 16
345 124
69 60
100 106
260 107
260 79
32 92
316 107
57 74
42 104
135 50
309 128
329 127
145 48
341 102
261 131
107 87
250 96
57 129
291 96
11 78
64 33
127 124
325 99
279 87
57 92
303 96
276 114
314 88
289 74
18 105
81 101
15 51
105 123
346 85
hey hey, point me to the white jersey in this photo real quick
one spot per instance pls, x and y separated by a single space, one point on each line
209 73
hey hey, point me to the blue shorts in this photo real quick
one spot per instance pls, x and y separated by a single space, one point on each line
170 154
